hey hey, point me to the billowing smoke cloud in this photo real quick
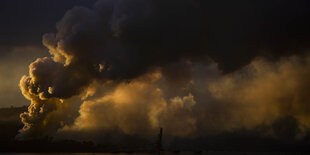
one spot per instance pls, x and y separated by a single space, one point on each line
17 57
262 94
139 65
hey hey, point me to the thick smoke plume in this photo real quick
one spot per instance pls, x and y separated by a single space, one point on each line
192 67
257 97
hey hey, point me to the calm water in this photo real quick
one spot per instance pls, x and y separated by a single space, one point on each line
205 153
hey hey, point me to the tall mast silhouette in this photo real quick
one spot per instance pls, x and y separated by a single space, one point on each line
159 143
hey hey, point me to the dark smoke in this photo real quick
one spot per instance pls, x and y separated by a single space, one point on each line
121 40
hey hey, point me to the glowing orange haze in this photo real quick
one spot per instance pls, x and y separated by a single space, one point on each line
208 103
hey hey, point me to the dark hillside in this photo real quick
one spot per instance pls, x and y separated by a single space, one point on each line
10 122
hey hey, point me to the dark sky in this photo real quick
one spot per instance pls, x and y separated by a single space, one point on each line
230 22
24 22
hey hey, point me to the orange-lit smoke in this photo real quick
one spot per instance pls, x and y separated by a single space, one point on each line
124 67
259 94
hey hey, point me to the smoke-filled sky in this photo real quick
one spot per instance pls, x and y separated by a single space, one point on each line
22 25
128 67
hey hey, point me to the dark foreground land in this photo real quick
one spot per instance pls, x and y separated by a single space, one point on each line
240 141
